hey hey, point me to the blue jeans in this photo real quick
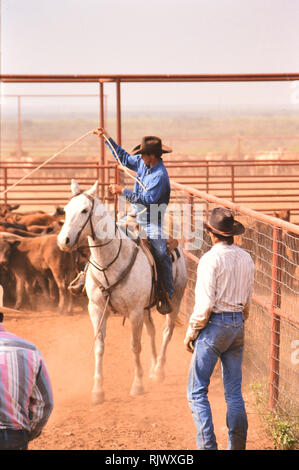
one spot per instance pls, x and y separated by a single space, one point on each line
13 440
223 338
164 264
158 243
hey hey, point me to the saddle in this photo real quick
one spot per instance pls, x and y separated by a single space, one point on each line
138 235
158 294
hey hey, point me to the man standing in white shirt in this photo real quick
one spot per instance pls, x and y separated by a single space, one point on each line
223 291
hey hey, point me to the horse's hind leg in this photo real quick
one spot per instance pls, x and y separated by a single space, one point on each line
95 312
150 327
159 373
136 325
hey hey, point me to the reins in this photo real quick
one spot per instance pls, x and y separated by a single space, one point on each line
100 268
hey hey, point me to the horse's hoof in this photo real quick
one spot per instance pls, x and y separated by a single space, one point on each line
137 390
152 372
158 376
97 398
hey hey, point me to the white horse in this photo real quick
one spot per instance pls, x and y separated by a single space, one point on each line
118 262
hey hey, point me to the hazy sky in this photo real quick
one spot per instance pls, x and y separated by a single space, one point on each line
155 36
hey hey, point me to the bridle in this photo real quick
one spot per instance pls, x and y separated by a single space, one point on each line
95 265
93 235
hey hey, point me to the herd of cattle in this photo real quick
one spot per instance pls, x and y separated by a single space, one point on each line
32 267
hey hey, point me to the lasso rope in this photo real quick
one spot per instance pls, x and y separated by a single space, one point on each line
63 150
46 161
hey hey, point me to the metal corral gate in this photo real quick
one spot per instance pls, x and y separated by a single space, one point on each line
250 183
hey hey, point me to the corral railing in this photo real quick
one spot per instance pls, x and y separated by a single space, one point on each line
262 185
51 185
272 330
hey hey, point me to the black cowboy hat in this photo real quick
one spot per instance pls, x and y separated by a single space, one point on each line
151 145
222 222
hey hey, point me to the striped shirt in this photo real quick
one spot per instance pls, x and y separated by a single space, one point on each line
225 277
26 399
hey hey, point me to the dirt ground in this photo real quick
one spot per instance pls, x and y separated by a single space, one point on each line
159 419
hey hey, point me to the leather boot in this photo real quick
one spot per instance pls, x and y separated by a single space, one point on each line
163 302
77 285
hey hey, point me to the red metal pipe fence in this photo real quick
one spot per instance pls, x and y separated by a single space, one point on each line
263 190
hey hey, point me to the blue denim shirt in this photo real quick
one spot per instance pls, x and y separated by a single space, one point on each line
156 182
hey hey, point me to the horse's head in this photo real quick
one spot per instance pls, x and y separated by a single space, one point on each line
78 213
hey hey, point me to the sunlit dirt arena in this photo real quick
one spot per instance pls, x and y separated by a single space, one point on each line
159 419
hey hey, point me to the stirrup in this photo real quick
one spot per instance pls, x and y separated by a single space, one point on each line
77 286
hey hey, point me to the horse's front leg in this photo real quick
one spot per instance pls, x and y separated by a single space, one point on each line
96 312
136 326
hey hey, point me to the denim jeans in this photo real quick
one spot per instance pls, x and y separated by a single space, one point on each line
159 249
164 264
13 440
223 338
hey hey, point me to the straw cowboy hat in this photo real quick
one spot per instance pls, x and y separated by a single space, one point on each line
222 222
151 145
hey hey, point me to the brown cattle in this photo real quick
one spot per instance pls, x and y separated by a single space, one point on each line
38 259
54 227
284 214
37 228
16 231
5 208
30 219
4 225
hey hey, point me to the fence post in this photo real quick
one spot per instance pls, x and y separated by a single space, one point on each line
275 318
102 143
117 178
232 182
190 221
5 184
207 176
19 144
